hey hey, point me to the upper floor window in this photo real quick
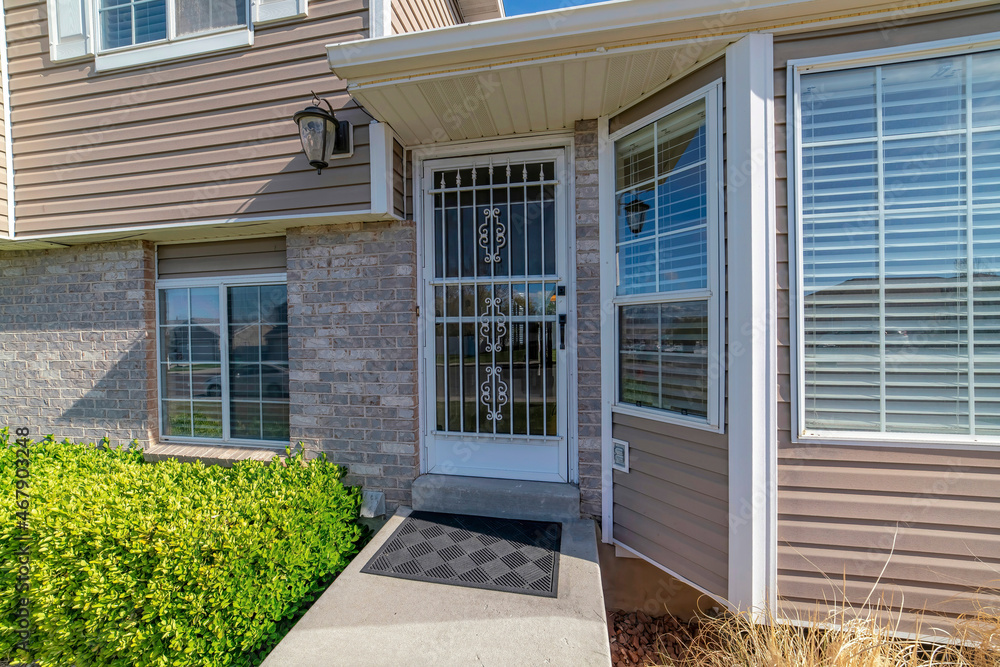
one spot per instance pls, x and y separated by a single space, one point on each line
668 228
899 233
133 22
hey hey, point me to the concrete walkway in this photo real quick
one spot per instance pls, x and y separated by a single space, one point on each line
366 620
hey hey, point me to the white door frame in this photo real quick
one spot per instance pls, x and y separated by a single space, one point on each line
530 147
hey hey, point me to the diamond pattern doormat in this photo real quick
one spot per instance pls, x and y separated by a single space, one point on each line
475 551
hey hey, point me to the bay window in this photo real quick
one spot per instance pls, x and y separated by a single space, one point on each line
223 362
899 248
668 246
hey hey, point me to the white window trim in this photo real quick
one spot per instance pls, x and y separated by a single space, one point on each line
220 282
907 53
715 293
173 47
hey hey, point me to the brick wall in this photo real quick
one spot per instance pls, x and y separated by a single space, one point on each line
77 348
588 304
352 292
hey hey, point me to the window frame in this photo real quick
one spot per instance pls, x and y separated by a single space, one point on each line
714 293
173 47
222 283
840 62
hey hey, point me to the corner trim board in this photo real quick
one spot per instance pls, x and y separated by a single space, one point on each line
380 20
606 208
8 134
752 325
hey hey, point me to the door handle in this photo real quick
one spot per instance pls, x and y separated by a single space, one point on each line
562 332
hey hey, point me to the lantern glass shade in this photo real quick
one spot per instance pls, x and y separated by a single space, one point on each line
635 212
317 131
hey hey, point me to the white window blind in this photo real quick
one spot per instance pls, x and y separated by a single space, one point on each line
900 234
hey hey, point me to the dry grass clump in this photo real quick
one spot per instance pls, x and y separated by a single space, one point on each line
847 639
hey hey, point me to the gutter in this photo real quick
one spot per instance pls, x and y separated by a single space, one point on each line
600 28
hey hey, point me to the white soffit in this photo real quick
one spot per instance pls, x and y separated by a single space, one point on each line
515 100
480 10
543 72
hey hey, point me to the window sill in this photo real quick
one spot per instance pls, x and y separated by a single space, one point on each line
900 440
665 417
182 48
209 454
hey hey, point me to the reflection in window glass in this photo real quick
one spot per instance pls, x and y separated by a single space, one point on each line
193 379
662 234
900 239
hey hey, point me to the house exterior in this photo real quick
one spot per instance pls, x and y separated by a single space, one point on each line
730 269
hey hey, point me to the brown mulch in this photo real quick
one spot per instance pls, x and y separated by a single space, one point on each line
638 640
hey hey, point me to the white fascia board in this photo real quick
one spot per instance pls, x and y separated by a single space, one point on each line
606 25
752 323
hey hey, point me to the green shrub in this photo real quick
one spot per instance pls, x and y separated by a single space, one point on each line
179 564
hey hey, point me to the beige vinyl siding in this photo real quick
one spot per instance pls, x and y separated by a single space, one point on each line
209 138
673 504
398 180
844 512
417 15
221 258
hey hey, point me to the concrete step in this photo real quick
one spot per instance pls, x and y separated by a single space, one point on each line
369 620
503 498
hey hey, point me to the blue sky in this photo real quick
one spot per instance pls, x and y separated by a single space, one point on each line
513 7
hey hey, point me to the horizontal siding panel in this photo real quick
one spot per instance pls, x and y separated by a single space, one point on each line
829 589
699 505
185 98
934 539
690 453
802 611
939 480
673 470
249 256
673 431
898 508
349 199
672 519
175 136
203 139
194 192
710 581
892 456
838 562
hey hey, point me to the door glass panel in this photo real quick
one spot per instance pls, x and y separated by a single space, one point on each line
495 291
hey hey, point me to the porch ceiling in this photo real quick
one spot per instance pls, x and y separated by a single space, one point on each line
519 98
546 71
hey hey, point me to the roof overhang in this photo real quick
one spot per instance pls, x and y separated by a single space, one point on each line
546 71
480 10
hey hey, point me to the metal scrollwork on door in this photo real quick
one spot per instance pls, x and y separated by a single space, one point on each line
493 328
492 235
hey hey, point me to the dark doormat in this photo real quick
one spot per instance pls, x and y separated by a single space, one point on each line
475 551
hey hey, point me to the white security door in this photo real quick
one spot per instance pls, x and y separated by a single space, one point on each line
496 357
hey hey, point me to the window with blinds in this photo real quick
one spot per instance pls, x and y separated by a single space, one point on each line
900 247
665 299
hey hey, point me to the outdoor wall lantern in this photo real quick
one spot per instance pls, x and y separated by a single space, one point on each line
635 214
324 138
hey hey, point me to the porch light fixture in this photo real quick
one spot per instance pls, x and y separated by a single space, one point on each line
324 138
635 214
